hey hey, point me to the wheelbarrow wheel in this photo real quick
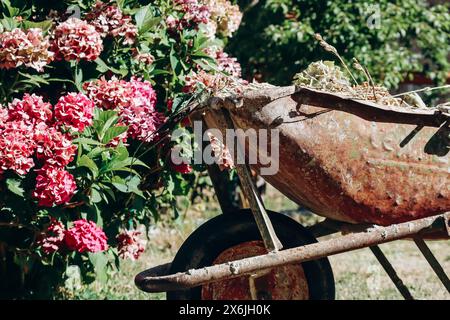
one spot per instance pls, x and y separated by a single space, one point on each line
236 236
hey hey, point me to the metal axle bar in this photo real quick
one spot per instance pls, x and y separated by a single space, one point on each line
152 281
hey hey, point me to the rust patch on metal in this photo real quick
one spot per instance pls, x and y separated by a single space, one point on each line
282 283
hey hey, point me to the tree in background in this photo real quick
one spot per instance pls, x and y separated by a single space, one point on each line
394 39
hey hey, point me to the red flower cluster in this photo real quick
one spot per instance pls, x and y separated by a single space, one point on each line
54 147
135 101
53 186
31 109
16 147
130 245
108 94
75 39
85 236
28 131
182 168
108 20
30 49
75 110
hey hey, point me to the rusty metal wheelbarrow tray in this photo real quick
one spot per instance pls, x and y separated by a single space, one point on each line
350 160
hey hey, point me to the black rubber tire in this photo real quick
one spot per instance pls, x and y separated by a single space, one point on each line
216 235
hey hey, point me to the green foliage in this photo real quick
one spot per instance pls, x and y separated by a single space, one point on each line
276 38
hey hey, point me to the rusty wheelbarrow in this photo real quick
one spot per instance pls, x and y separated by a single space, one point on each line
377 173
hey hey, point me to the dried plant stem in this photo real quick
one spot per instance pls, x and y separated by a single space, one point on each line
328 47
366 72
422 90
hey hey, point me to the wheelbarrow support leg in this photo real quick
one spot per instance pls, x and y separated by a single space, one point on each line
270 239
404 291
434 263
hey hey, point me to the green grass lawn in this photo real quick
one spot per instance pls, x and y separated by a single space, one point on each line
357 273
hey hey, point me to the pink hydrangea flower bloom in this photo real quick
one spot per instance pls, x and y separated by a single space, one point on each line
54 147
53 239
109 20
31 109
75 39
108 94
30 49
194 11
74 110
85 236
228 64
225 16
16 147
144 58
135 101
130 245
141 122
54 186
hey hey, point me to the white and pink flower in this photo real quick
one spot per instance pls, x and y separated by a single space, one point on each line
109 20
16 147
135 102
30 49
130 244
75 39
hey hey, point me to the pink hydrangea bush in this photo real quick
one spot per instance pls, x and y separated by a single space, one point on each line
71 138
77 40
85 236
